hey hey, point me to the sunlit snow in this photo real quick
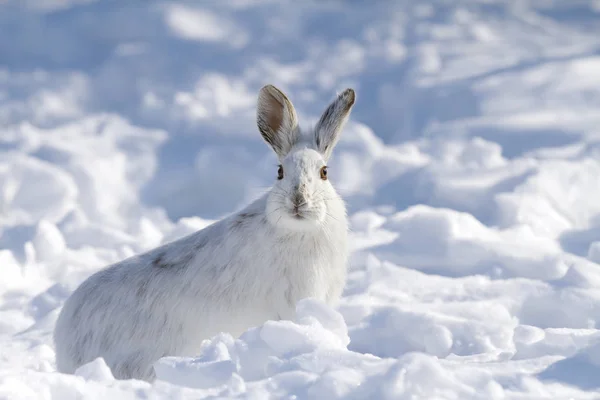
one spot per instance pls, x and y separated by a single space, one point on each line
470 166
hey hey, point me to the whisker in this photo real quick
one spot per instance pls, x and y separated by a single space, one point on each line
272 211
331 216
277 190
279 195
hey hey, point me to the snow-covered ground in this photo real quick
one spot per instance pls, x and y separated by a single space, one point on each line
471 169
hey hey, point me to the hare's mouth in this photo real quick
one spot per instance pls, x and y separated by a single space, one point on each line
299 220
297 214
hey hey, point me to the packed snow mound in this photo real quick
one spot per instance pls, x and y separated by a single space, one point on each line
469 167
313 343
580 369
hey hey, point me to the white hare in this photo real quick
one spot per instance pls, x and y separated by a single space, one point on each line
239 272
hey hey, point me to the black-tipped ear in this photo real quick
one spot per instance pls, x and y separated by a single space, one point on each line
276 119
327 131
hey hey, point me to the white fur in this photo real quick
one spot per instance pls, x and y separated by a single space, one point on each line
250 267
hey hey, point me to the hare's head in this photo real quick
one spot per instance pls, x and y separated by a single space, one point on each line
302 197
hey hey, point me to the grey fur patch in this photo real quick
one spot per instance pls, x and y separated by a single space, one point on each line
78 358
77 311
288 296
160 262
85 341
104 342
243 219
106 275
129 368
142 289
100 307
203 242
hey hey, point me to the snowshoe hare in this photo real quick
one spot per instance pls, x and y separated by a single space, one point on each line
237 273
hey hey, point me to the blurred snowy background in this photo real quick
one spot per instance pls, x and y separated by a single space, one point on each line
471 169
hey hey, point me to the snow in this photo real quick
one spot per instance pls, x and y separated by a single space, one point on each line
469 166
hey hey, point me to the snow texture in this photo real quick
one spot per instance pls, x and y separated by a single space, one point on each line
470 168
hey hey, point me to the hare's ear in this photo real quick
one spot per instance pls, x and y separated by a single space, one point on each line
276 119
327 130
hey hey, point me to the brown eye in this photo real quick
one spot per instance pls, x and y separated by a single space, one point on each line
280 173
324 173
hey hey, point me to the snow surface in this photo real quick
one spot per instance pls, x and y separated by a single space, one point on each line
470 167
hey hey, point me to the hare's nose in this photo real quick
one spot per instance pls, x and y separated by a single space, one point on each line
298 199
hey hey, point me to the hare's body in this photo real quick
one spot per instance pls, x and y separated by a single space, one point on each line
224 278
236 273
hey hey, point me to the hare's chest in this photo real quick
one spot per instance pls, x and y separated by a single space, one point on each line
317 272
